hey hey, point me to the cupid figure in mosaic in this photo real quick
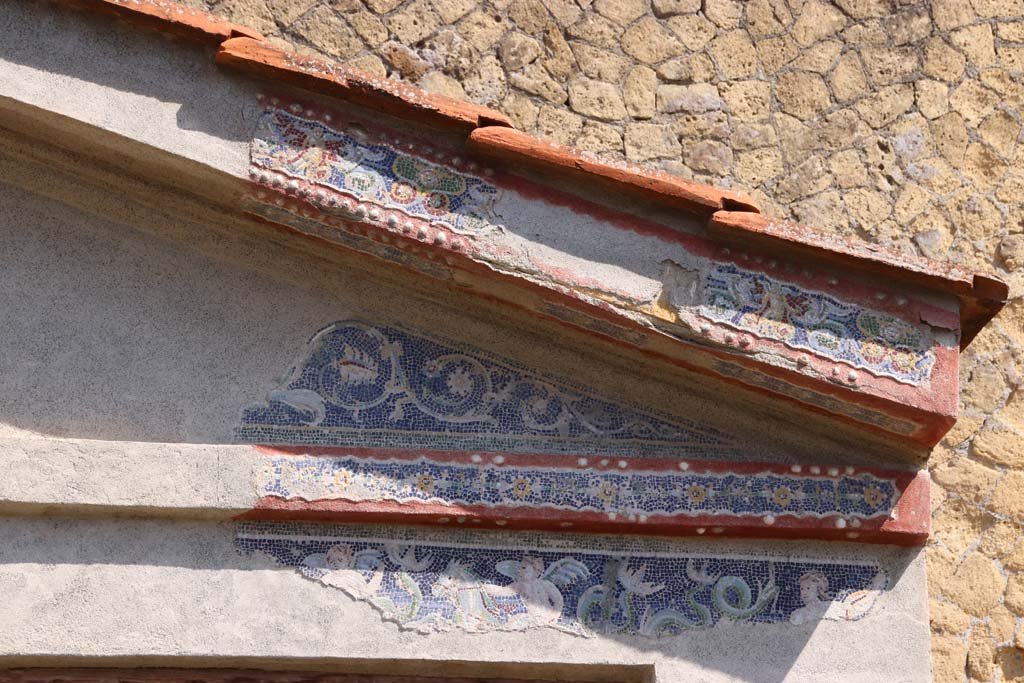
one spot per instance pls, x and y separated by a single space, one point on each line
846 606
340 567
535 591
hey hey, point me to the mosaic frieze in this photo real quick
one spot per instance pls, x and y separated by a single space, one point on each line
351 162
439 586
377 386
877 342
629 494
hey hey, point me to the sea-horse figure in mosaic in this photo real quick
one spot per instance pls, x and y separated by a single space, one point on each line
607 608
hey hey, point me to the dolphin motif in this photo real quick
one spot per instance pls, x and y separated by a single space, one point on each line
305 401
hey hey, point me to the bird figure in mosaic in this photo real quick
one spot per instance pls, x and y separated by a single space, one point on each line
406 559
355 366
611 606
670 621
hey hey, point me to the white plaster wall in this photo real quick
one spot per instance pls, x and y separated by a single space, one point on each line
105 588
130 346
171 98
139 84
127 477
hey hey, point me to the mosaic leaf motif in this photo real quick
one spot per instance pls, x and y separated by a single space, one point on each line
627 493
880 343
350 163
376 386
437 586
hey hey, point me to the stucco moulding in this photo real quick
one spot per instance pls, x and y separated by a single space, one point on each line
866 351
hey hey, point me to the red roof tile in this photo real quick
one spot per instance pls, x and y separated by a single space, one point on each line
259 58
981 295
522 149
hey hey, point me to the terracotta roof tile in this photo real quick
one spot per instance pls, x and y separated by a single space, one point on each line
731 216
518 147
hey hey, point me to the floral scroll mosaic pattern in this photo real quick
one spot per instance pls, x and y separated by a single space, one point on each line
351 163
377 386
441 585
880 343
629 494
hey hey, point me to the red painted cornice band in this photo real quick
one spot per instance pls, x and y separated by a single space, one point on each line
903 520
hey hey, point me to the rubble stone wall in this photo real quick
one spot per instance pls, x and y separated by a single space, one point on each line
895 120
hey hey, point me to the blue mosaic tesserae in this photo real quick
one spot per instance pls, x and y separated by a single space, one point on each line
350 162
880 343
438 585
379 386
397 176
631 494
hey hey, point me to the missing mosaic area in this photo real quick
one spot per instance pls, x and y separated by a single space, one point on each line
593 324
284 215
440 586
377 386
353 163
880 343
815 398
630 494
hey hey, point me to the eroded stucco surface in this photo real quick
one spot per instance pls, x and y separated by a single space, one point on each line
895 120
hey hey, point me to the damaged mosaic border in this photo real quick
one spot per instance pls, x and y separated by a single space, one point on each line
443 190
880 343
363 166
436 585
634 494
